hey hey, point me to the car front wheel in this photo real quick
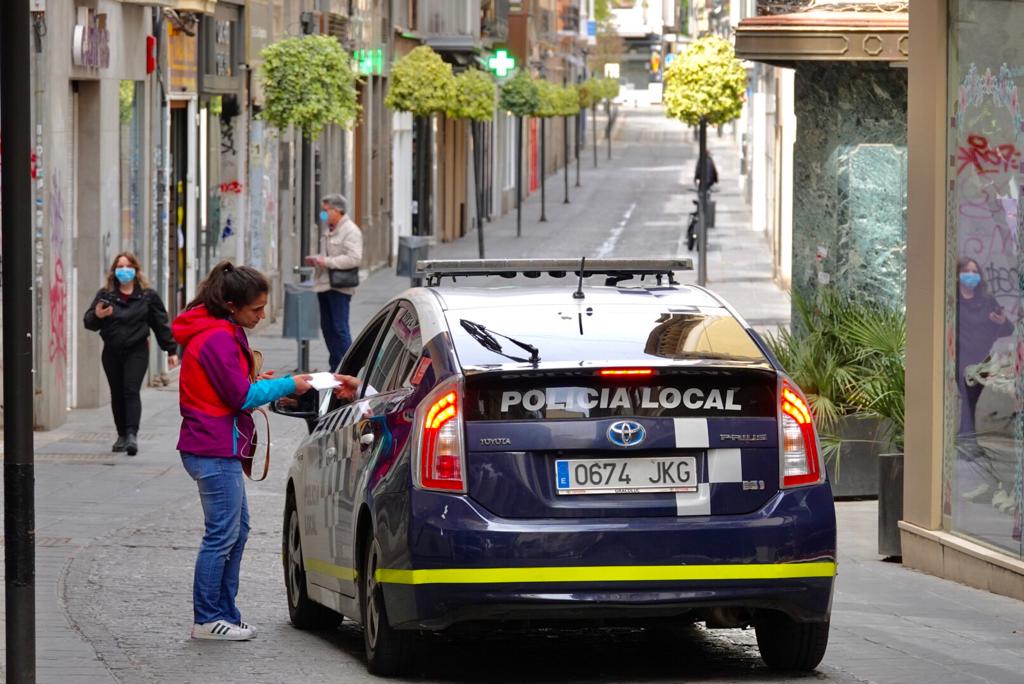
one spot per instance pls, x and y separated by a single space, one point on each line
786 644
388 651
303 612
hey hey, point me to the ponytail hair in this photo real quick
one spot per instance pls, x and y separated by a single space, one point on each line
240 285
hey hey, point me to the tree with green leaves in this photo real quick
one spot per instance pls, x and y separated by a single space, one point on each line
309 82
520 97
547 107
474 100
705 84
567 105
608 90
422 84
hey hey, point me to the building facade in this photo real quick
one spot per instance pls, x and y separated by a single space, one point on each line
965 378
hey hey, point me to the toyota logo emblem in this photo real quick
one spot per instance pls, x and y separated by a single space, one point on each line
626 433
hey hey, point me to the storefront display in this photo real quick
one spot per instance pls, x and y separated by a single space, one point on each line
983 463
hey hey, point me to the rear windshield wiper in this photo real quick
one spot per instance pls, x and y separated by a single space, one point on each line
487 339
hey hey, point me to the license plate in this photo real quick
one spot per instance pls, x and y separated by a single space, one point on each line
626 475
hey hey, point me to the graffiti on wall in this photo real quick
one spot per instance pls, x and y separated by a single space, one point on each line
58 290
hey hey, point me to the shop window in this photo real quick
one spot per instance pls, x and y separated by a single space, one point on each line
984 382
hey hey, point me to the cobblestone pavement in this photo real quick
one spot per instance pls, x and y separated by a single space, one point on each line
118 535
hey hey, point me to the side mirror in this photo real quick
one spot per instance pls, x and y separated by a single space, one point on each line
294 406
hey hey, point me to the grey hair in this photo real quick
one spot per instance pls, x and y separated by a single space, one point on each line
336 201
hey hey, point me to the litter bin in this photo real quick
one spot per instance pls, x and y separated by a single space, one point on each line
301 312
411 248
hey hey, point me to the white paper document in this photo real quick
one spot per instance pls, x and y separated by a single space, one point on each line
323 381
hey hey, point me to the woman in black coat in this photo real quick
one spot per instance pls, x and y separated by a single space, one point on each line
123 313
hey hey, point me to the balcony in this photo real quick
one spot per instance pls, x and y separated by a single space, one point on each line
448 25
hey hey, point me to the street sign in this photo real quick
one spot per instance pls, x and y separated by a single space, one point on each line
592 28
611 70
669 58
501 63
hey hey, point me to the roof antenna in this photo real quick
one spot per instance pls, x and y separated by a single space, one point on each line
578 294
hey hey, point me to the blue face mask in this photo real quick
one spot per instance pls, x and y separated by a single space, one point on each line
125 274
970 280
323 216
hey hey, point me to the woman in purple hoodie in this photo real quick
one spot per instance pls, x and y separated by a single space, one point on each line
218 391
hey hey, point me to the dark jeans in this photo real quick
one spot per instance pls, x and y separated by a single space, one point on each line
334 324
125 369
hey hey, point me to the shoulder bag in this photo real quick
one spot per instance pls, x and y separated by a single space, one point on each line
254 371
343 277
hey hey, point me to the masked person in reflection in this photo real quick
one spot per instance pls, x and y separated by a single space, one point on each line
219 389
123 313
341 248
981 321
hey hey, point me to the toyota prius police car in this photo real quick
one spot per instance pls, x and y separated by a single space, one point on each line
619 448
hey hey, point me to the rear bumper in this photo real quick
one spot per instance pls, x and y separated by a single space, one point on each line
463 564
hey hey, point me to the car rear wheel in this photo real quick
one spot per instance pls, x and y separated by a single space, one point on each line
388 651
786 644
303 612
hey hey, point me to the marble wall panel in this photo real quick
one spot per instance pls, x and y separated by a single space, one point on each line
850 189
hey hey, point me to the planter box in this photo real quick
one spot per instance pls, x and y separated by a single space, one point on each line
854 473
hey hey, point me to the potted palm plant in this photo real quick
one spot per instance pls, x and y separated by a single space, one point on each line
848 359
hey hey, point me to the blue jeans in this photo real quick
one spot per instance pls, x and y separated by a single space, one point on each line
334 324
222 492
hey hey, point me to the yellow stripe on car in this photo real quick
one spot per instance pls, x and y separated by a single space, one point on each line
324 568
609 573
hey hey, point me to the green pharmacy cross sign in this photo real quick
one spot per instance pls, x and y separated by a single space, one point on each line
369 62
501 64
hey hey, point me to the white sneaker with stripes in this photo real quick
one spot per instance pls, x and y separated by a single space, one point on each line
248 627
222 630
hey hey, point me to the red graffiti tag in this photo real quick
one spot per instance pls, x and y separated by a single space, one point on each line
58 309
234 188
984 159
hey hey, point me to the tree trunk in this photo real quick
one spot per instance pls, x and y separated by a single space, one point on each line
474 128
565 155
519 176
702 204
593 125
543 157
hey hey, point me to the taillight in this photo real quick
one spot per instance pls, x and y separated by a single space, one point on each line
439 458
800 462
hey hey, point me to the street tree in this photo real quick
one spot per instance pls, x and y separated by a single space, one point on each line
474 100
547 107
568 105
585 100
608 88
308 82
520 97
705 84
422 84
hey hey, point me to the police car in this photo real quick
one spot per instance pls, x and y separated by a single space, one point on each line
561 449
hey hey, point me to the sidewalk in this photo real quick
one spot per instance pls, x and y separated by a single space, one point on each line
117 536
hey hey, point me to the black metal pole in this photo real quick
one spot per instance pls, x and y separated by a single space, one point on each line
565 155
519 176
593 125
702 203
19 461
543 170
576 144
477 163
608 126
304 210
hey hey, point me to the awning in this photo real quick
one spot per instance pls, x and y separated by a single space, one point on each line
825 35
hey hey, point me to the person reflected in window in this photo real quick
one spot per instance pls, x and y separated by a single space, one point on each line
980 322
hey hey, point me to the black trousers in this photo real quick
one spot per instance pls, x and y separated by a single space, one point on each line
125 369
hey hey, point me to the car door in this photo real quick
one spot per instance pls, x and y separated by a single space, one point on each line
367 443
328 458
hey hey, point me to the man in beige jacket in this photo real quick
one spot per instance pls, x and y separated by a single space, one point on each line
341 247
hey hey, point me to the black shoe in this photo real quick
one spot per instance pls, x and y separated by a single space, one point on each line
131 444
120 444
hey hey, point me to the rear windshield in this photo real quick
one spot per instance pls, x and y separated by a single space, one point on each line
601 334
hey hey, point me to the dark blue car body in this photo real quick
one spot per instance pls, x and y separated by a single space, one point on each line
733 547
